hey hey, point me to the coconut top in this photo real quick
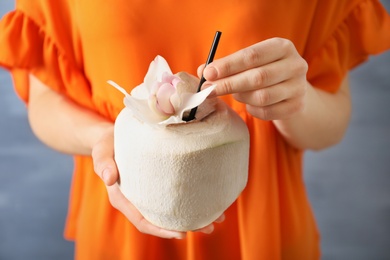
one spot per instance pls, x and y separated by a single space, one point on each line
163 98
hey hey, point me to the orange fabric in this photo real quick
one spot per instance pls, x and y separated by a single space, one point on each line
76 46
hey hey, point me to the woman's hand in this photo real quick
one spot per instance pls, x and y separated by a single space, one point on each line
269 77
85 132
105 167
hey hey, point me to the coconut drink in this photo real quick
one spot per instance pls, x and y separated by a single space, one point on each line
180 175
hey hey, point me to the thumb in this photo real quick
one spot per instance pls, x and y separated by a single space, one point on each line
103 160
109 174
105 168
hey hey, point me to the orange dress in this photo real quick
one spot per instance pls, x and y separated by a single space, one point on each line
76 46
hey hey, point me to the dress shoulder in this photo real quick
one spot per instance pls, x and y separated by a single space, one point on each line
363 30
28 45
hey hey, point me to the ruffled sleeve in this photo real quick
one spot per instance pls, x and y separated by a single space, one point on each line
364 31
28 46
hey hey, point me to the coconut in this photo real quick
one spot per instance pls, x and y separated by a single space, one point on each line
183 176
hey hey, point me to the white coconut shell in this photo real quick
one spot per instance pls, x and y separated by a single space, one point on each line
184 176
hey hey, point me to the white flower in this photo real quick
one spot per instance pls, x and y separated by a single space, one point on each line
157 101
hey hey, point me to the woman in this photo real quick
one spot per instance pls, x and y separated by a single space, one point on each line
282 65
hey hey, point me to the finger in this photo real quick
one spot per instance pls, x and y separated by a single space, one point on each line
105 166
103 160
220 219
119 201
282 110
210 228
206 230
252 79
248 58
200 70
261 77
273 94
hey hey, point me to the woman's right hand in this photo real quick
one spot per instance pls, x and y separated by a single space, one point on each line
84 132
105 167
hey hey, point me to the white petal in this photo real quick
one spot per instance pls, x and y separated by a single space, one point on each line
175 101
141 110
115 85
141 91
172 120
190 100
156 70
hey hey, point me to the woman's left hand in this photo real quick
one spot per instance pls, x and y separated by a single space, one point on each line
269 77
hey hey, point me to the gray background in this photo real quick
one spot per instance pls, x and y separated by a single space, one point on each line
348 184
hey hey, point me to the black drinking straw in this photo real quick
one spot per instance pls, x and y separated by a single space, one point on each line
210 58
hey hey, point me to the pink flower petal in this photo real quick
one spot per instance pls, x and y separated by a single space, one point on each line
169 78
163 95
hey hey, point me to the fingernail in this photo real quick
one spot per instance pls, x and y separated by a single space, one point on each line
179 237
206 85
210 73
173 234
220 219
106 175
209 229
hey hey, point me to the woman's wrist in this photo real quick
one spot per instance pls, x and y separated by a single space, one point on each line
94 133
321 123
61 123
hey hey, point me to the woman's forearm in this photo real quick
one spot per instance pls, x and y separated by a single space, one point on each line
322 122
62 124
